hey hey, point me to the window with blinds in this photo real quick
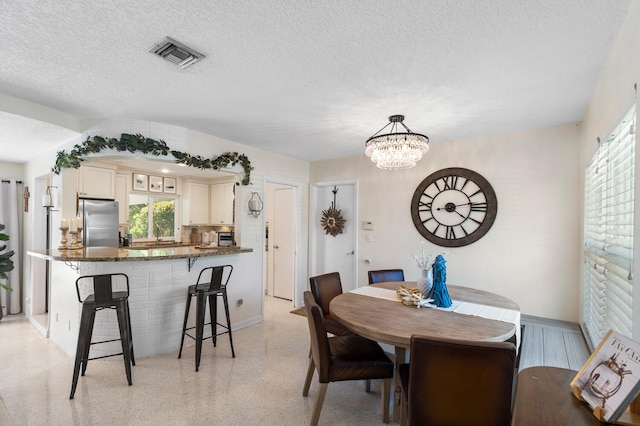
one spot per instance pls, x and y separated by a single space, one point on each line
608 222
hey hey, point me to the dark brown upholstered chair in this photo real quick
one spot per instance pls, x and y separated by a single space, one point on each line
457 382
386 275
324 288
98 292
211 288
342 358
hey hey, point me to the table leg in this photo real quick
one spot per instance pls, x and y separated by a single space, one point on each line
401 358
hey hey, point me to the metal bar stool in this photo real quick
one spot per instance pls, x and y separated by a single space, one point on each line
216 286
98 292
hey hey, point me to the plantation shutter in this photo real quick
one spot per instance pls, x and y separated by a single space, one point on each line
608 252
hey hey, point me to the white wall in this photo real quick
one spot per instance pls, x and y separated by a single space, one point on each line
11 170
529 255
612 99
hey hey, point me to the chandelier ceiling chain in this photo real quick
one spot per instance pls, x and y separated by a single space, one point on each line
397 149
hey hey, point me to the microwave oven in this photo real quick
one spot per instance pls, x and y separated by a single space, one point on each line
225 239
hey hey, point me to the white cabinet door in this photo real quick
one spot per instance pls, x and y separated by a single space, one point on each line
96 182
222 204
122 197
195 204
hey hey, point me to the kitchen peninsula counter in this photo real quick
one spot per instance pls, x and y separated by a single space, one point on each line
158 279
113 254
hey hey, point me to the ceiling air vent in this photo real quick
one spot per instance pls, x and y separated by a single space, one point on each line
176 53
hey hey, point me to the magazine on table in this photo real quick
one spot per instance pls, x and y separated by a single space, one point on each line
610 379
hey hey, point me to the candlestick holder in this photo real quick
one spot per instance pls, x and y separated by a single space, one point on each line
79 236
63 239
75 241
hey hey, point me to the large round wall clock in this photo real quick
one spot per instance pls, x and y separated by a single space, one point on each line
454 207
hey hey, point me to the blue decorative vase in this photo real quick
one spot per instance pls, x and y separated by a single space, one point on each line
439 292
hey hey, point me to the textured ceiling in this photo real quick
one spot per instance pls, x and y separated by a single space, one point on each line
307 78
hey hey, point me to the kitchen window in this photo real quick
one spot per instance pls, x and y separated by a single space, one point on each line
152 216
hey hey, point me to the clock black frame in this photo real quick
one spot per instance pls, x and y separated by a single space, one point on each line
449 180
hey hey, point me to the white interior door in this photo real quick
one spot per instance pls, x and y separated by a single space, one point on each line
283 242
336 253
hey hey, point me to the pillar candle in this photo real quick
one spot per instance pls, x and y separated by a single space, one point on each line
64 223
79 222
72 225
47 201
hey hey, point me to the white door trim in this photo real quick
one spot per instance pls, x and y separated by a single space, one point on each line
314 216
299 282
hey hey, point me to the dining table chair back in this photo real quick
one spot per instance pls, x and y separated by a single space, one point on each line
457 382
341 358
383 275
324 288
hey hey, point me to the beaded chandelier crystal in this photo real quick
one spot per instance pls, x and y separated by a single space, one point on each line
396 150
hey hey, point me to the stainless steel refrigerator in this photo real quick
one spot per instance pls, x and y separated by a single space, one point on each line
100 220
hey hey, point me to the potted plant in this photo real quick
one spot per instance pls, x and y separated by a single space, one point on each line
6 264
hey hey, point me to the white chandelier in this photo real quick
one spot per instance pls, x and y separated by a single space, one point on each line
396 150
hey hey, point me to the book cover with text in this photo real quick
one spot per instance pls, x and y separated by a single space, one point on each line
610 379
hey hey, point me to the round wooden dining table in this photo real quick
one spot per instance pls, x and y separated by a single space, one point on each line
391 322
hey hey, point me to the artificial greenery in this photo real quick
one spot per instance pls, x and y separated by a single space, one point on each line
6 264
138 143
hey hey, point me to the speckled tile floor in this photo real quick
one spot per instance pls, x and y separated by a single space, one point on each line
261 386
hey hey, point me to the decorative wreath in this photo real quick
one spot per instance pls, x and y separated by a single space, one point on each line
332 221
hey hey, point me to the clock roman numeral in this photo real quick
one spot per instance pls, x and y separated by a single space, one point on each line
425 207
466 181
479 207
450 182
450 233
424 222
474 220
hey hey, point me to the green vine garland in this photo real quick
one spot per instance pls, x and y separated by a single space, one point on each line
137 142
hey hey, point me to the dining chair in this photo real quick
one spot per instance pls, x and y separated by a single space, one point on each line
96 293
385 275
324 288
341 358
457 382
211 284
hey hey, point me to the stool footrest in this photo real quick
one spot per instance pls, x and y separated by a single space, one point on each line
193 328
104 356
104 341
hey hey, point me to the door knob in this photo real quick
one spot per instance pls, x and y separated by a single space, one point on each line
351 252
276 247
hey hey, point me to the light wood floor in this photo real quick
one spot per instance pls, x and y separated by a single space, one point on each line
552 343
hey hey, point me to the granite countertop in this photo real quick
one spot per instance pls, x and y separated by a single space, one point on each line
114 254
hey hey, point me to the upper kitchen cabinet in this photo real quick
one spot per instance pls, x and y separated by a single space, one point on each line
222 198
195 203
123 184
96 182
